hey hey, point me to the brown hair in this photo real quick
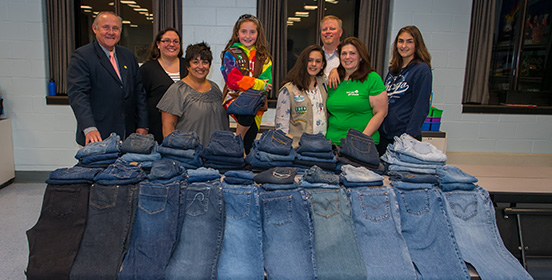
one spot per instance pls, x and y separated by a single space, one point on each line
154 52
261 44
365 64
200 49
420 55
298 75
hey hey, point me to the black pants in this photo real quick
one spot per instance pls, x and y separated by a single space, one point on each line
251 134
54 240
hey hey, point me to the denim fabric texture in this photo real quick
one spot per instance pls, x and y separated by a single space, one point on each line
394 167
447 187
407 145
111 213
242 249
164 169
410 159
182 140
316 143
307 185
274 141
198 250
247 103
337 253
428 232
109 145
224 143
359 174
203 174
277 175
132 157
320 155
308 158
377 224
54 239
264 156
74 173
120 173
224 159
223 167
359 146
275 187
155 231
453 174
391 158
473 220
187 163
315 174
412 177
331 166
343 160
288 235
238 177
181 153
348 184
253 160
138 144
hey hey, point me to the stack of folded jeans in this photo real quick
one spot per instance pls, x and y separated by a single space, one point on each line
73 175
183 147
452 178
271 150
200 227
140 148
410 155
100 154
242 249
354 177
111 212
157 218
315 149
410 177
224 151
315 177
288 229
359 149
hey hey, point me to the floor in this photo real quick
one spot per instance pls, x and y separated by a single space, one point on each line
21 201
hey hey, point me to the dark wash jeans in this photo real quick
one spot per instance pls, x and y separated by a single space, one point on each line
54 240
111 215
155 231
360 146
200 240
138 143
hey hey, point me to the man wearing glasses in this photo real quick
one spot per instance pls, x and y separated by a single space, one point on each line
104 86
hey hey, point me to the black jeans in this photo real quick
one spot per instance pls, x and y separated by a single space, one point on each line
54 240
106 239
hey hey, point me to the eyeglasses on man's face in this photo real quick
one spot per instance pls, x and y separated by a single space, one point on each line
168 41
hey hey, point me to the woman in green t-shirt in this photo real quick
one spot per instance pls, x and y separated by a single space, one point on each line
360 100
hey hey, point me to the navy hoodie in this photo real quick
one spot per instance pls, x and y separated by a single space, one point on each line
409 93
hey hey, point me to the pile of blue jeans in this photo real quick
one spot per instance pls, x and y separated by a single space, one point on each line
355 177
410 155
359 149
316 177
315 149
242 249
100 154
183 147
224 151
73 175
271 150
277 178
141 149
472 216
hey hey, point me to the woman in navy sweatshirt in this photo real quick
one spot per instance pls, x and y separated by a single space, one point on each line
408 84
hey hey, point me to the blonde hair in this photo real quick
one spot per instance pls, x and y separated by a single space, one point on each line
330 17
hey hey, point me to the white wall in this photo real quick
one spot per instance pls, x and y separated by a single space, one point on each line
445 27
44 135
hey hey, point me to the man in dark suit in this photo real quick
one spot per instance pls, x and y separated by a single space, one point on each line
104 85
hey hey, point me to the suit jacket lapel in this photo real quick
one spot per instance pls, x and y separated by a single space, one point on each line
104 61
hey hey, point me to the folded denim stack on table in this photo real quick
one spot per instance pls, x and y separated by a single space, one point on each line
452 178
354 177
277 178
315 177
73 175
120 172
410 155
141 149
359 149
239 177
410 177
271 150
167 171
100 154
315 149
182 146
224 151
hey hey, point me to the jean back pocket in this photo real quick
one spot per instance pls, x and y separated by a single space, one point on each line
153 199
416 202
237 203
375 205
197 201
278 210
103 197
325 203
463 205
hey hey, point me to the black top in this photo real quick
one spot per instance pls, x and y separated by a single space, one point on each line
156 82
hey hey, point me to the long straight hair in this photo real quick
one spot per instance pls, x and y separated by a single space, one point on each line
365 64
420 55
261 44
298 75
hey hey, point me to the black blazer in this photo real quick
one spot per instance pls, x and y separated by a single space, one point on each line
99 98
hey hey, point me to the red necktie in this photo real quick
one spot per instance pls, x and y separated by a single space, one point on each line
114 63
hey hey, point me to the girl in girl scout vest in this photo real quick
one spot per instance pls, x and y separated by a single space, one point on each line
302 99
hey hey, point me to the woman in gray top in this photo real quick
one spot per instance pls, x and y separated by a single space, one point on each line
194 103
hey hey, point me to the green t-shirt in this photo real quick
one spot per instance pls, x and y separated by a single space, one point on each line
349 107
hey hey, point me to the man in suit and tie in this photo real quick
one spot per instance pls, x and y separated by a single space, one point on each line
104 86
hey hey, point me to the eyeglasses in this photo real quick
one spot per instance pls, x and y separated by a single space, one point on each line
168 41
